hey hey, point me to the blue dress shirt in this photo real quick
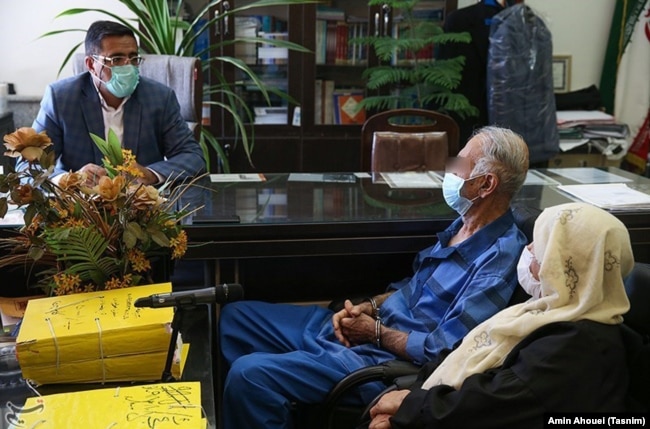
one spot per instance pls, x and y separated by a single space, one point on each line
454 288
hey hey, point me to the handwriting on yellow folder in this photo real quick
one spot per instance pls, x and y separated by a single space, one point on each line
159 406
96 336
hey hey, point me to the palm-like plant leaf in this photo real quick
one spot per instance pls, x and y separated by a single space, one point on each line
82 249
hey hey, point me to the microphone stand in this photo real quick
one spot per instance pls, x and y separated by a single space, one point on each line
176 323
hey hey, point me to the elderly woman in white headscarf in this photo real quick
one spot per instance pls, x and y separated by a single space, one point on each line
560 351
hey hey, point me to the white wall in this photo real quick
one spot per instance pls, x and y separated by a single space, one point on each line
29 62
580 28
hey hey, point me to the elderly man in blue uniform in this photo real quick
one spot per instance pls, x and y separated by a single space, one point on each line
143 113
281 353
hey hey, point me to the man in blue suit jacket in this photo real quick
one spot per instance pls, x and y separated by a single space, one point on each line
111 95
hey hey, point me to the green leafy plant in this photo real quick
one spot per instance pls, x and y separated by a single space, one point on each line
156 26
415 82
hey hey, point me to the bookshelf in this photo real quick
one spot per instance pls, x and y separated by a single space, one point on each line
327 83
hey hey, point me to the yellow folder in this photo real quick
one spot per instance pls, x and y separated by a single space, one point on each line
163 406
94 337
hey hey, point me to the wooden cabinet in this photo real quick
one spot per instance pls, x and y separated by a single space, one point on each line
326 137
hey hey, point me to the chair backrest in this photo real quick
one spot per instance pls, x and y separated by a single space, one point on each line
408 121
393 151
182 74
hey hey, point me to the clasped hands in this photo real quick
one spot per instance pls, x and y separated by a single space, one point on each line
354 324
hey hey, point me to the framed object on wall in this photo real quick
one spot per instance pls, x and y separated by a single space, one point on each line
561 73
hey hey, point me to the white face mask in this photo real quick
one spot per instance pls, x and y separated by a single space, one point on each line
451 187
530 284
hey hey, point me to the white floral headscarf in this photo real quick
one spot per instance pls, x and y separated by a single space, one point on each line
584 254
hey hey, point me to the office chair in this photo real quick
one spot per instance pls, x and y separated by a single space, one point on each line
408 140
182 74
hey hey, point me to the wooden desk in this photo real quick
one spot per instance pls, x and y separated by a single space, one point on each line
294 240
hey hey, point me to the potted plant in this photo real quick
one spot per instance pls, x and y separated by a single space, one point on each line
405 78
157 24
79 236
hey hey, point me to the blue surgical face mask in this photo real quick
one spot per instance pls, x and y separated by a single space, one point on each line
124 80
451 188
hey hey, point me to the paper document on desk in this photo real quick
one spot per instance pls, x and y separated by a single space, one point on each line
250 177
163 406
94 337
589 175
610 196
326 177
412 179
537 178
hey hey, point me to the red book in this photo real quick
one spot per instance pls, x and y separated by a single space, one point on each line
341 43
330 42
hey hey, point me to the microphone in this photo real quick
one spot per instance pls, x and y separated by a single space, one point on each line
219 294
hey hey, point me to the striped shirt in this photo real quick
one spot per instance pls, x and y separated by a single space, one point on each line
454 288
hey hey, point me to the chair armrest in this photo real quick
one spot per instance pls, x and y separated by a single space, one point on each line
405 381
385 372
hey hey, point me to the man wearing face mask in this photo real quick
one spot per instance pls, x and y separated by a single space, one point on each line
143 113
281 353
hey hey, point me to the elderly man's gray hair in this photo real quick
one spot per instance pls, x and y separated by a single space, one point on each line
505 154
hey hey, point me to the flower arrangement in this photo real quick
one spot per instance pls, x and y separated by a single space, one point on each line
86 237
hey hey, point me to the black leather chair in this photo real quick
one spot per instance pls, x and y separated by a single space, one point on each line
420 152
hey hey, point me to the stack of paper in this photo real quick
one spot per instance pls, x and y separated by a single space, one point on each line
168 405
94 337
412 179
611 196
246 177
572 118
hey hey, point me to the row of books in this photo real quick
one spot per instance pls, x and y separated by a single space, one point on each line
268 53
428 11
400 30
270 24
266 27
338 106
335 42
